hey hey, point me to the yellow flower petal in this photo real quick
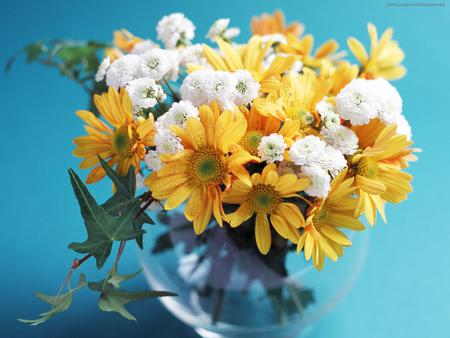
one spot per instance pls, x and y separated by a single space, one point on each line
262 233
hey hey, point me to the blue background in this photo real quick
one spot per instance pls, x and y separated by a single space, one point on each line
404 290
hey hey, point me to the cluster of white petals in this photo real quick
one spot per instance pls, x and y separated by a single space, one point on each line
219 29
362 100
166 142
272 148
174 30
307 150
342 138
152 160
226 88
327 114
102 69
320 180
179 113
145 93
124 70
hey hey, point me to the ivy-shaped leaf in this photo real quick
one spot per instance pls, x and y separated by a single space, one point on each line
114 299
102 227
59 303
123 198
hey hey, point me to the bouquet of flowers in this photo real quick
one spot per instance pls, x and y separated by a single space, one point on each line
282 146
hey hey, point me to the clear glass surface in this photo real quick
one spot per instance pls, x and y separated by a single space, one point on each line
228 290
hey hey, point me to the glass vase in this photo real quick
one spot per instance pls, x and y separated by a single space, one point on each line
226 288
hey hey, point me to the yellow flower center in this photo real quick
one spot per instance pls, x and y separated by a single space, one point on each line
251 140
121 142
264 197
367 167
208 166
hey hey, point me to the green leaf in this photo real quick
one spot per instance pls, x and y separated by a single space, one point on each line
124 198
113 299
35 50
102 227
59 303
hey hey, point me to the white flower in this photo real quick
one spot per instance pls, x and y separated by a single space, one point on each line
143 46
333 161
152 160
179 113
308 150
327 114
158 63
341 138
403 127
123 70
102 69
219 29
193 87
220 87
193 54
357 102
145 93
174 30
246 88
272 148
320 181
390 104
167 143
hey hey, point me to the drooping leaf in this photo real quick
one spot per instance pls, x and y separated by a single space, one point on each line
102 227
123 198
114 299
59 303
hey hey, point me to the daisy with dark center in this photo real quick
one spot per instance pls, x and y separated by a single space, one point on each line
259 126
265 198
321 235
206 165
378 175
122 143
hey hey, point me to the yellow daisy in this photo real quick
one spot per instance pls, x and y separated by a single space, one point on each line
268 24
250 57
265 198
123 42
377 178
385 56
259 126
198 172
122 143
321 235
300 94
304 48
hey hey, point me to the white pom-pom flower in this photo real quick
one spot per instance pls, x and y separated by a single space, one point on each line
193 87
220 87
219 29
403 127
333 161
124 70
272 148
152 160
167 143
102 69
175 30
246 88
179 112
342 138
327 114
145 93
159 63
192 54
320 180
357 102
307 150
390 104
